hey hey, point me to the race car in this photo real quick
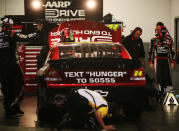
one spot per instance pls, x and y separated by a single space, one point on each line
103 66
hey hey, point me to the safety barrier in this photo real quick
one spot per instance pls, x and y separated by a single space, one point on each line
28 63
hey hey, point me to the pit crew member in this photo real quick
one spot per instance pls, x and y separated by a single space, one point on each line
11 75
83 103
162 56
134 45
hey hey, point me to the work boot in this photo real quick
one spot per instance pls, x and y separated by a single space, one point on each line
17 109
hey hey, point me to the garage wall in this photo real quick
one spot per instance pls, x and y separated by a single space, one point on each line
174 13
11 7
2 8
142 13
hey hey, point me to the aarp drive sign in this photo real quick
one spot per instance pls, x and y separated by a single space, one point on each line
67 10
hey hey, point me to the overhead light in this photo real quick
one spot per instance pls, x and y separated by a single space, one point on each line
36 4
91 4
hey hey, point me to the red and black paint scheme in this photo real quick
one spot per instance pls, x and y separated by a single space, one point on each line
93 64
85 31
95 60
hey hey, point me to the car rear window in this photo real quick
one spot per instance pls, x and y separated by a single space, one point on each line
85 50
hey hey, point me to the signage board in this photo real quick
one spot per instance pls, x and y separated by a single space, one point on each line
65 10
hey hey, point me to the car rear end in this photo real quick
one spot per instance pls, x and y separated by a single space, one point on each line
104 67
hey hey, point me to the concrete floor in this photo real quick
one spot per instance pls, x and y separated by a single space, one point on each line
161 118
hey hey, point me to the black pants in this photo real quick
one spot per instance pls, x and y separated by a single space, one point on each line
163 73
78 108
42 56
12 81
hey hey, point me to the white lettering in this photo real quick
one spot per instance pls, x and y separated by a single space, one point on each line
81 80
73 74
102 80
78 80
104 33
94 32
74 13
51 19
48 4
63 13
92 74
84 40
67 3
81 13
120 74
101 38
53 13
59 4
54 4
55 33
80 32
87 32
106 74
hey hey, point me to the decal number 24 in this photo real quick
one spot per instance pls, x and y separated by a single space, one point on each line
138 73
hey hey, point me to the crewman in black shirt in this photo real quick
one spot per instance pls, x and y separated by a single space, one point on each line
134 45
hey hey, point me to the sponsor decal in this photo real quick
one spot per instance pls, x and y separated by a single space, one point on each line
113 27
91 36
85 32
58 4
138 73
95 76
60 11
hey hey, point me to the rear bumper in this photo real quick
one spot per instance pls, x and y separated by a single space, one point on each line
121 94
